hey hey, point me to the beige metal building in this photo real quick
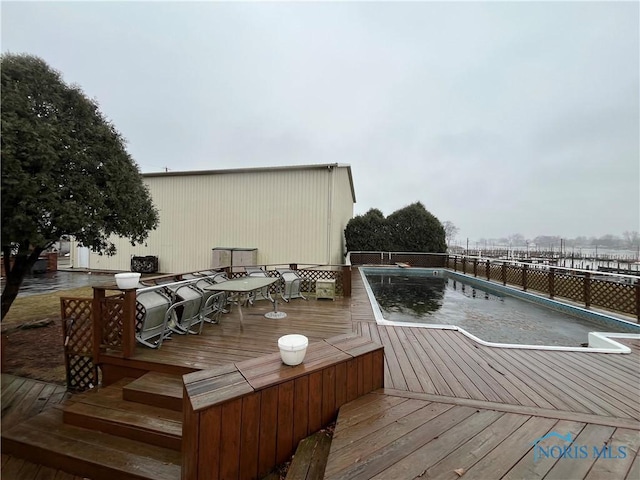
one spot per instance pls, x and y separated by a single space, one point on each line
293 214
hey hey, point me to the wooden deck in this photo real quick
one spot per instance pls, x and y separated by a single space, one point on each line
449 406
453 408
231 342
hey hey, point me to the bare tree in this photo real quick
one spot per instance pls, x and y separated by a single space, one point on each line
450 232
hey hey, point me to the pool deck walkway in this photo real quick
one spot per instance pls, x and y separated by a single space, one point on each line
451 408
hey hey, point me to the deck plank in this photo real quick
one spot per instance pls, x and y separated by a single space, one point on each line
396 374
600 387
501 459
617 467
536 468
506 391
435 365
376 417
343 462
573 386
591 436
476 447
416 464
634 471
476 386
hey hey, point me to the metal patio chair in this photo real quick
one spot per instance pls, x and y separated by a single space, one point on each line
156 309
213 308
292 283
263 293
220 277
189 313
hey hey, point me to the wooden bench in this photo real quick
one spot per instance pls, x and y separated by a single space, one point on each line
243 419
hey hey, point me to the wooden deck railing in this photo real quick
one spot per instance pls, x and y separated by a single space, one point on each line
243 419
588 288
415 259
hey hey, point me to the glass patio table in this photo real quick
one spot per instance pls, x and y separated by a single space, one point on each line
243 287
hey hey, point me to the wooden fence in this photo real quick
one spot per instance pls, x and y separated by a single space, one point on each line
587 288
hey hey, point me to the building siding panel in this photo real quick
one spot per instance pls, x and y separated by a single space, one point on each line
284 213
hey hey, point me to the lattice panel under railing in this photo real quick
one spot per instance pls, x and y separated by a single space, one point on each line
538 280
77 330
514 275
140 314
112 322
614 296
495 272
569 286
308 282
311 276
481 269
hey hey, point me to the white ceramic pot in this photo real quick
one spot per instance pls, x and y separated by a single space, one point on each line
293 348
126 281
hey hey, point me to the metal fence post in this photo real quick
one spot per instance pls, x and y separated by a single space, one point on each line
552 282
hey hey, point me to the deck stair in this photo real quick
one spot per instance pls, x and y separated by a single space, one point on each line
156 389
107 411
101 435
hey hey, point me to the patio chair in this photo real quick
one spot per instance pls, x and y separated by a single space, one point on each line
156 309
220 277
189 301
263 293
292 284
213 308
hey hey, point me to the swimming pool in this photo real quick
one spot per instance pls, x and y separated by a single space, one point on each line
488 311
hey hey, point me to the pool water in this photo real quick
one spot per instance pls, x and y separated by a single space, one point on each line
488 316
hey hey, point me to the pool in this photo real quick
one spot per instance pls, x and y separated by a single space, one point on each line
485 310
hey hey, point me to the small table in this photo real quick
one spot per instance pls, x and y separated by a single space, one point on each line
243 287
326 288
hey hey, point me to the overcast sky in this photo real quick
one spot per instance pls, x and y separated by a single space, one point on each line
503 118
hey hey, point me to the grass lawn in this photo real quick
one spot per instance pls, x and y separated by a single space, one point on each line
40 307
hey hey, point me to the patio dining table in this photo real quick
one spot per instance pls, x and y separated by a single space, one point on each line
243 287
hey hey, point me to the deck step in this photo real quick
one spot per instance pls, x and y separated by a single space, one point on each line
106 411
310 458
45 439
157 389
